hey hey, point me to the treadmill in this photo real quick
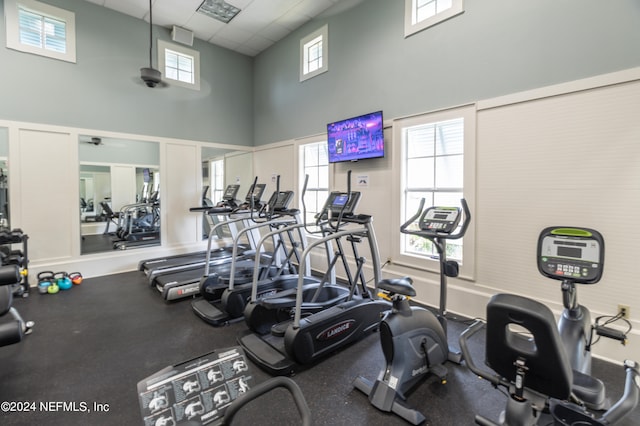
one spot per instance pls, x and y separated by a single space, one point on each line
160 265
177 282
225 292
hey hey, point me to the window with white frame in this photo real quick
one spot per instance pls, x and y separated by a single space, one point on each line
179 64
216 170
314 57
314 162
41 29
437 165
422 14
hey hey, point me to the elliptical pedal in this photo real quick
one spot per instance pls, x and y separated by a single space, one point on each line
280 328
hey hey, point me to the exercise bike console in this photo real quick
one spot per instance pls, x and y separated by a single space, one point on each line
571 254
440 219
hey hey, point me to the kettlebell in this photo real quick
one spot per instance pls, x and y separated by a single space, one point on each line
44 281
53 287
64 283
75 277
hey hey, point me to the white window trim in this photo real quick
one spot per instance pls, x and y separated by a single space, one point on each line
162 46
410 28
12 23
299 162
321 32
468 112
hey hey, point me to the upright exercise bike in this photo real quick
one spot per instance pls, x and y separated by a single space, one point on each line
414 340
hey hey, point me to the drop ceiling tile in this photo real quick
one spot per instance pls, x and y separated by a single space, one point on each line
135 8
274 31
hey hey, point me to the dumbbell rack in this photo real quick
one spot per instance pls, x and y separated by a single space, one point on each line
17 257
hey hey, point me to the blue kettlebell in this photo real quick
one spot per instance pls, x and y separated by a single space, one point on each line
64 282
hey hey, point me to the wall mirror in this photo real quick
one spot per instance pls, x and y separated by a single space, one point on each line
222 167
4 177
119 196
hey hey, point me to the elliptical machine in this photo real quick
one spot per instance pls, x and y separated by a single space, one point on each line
413 339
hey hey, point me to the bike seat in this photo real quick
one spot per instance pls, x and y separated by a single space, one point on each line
398 286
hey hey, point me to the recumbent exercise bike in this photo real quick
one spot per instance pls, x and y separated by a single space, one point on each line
545 366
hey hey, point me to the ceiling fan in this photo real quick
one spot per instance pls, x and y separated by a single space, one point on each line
151 76
93 140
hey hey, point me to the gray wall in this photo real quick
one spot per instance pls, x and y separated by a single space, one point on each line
120 151
101 91
496 47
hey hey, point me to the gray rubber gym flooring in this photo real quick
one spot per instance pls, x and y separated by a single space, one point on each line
95 342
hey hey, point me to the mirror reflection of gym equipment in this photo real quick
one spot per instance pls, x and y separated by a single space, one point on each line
222 167
117 180
4 178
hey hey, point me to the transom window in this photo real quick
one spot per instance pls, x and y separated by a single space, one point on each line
422 14
178 67
179 64
314 54
313 57
41 29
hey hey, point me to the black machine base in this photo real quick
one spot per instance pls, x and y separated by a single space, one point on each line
271 359
384 398
211 314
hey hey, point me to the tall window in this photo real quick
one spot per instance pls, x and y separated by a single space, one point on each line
314 54
179 64
434 170
39 28
314 162
217 179
436 164
421 14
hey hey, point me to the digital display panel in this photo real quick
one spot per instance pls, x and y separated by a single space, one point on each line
356 138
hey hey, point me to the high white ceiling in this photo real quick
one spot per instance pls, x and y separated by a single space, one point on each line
259 24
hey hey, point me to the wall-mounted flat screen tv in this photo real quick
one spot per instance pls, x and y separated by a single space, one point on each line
356 138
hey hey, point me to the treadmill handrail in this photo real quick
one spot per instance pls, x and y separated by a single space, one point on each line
213 232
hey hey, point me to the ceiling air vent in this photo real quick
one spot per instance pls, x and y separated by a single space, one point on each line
218 9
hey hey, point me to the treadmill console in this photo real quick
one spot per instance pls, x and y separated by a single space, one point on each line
442 220
571 254
229 193
255 192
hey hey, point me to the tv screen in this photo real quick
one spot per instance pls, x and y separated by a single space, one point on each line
356 138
